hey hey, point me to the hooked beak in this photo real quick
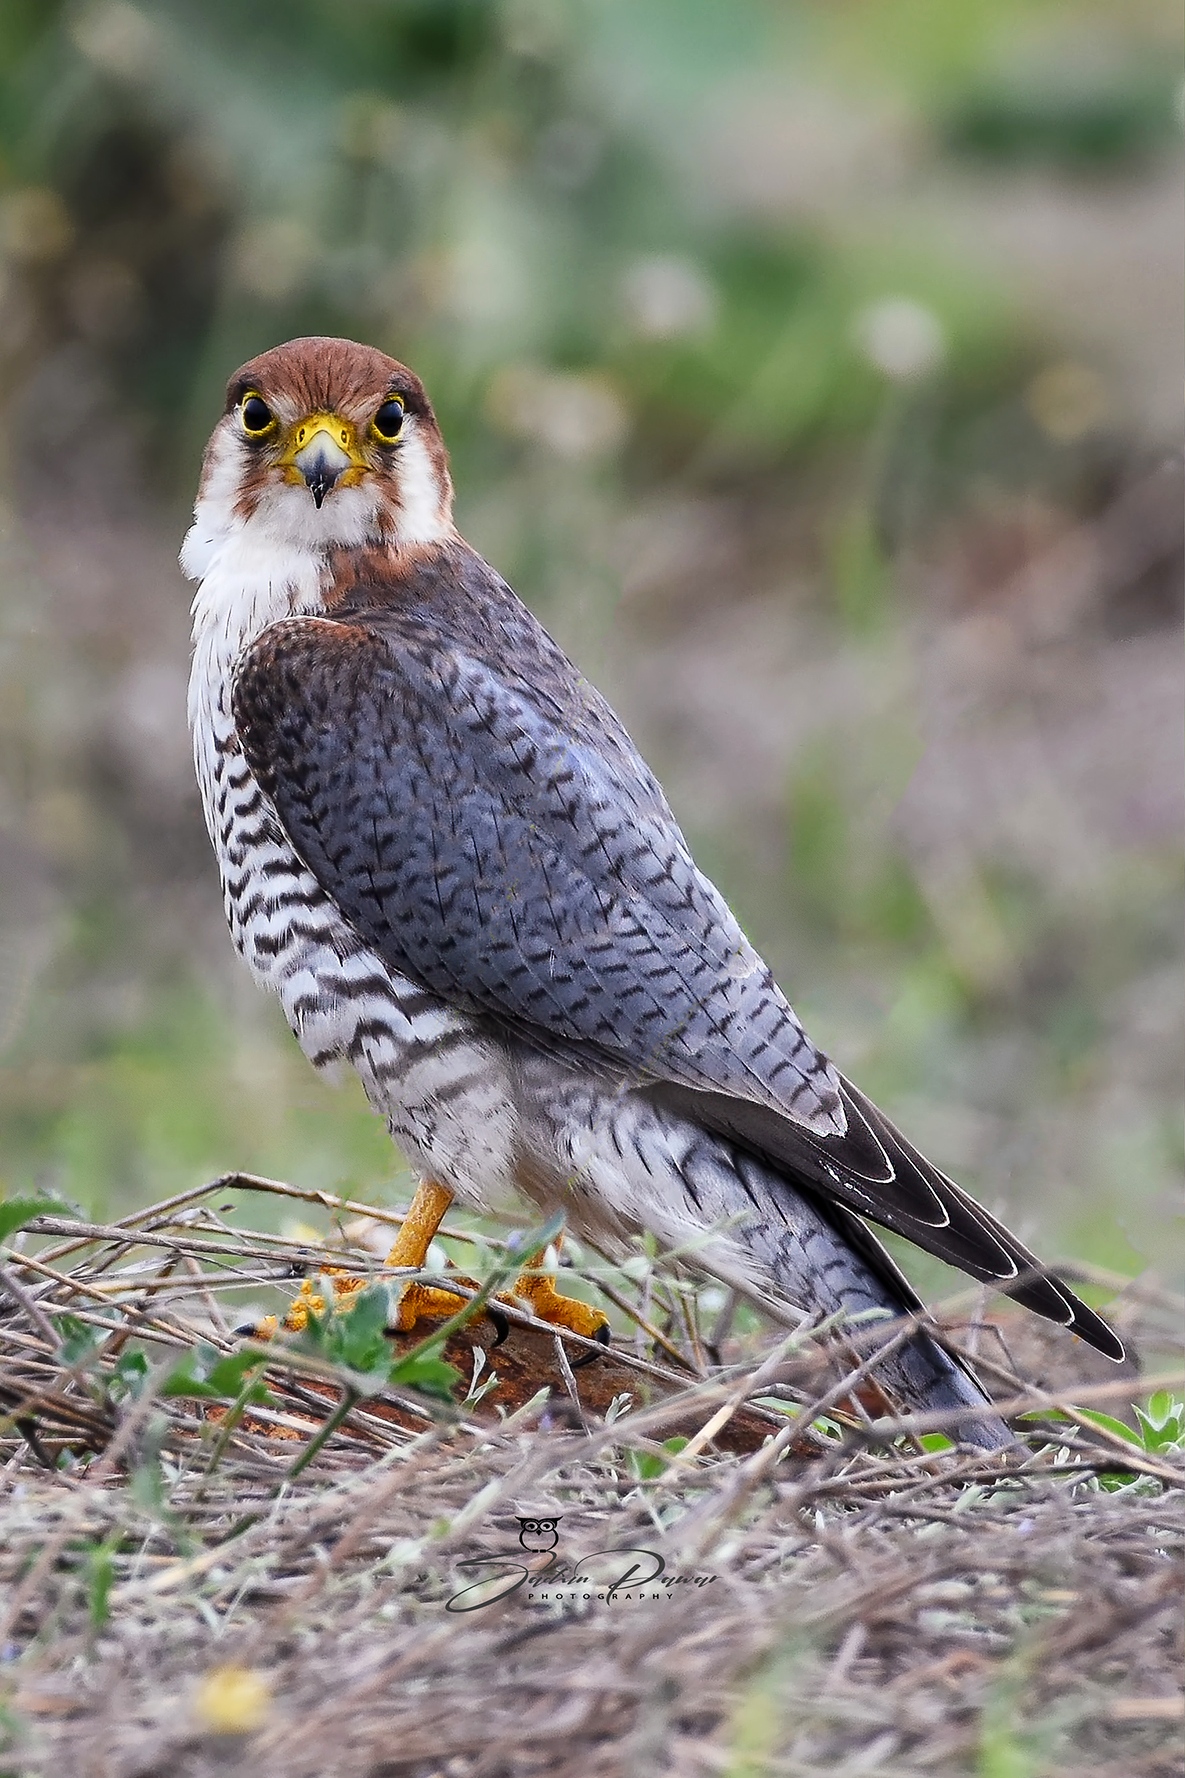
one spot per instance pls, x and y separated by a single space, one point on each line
322 450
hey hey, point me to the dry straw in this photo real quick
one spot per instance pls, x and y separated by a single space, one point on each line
198 1583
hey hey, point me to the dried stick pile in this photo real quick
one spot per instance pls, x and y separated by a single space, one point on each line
705 1552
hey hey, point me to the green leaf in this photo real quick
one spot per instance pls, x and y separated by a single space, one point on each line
100 1576
231 1374
937 1441
648 1465
354 1337
208 1375
358 1336
1112 1425
427 1372
128 1374
1115 1480
1162 1423
79 1342
16 1212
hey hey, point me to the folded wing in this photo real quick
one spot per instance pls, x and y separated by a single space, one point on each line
515 857
485 822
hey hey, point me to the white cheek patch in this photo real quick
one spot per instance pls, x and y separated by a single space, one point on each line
214 512
423 503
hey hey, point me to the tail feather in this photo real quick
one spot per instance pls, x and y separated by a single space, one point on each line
827 1260
874 1171
821 1257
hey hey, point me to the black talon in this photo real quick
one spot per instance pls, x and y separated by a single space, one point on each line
501 1325
603 1338
246 1332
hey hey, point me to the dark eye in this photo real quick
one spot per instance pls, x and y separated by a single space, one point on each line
256 415
389 420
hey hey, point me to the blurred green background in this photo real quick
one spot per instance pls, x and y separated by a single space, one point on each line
812 369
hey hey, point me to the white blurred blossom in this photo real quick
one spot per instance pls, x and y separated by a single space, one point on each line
575 416
667 297
117 38
901 337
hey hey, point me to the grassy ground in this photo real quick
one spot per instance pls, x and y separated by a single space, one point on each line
337 1555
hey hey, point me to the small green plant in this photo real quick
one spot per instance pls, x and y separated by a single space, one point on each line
1162 1424
355 1343
354 1340
1159 1428
208 1375
80 1342
648 1465
128 1375
100 1576
1159 1432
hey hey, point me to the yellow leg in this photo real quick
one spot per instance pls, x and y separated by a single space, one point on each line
411 1249
537 1291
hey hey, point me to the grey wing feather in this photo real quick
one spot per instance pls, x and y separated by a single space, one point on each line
504 845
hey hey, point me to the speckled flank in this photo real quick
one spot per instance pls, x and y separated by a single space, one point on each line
424 1067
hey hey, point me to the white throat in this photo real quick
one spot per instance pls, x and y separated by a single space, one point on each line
251 571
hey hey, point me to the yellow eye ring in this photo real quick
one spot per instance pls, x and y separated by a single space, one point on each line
388 422
255 415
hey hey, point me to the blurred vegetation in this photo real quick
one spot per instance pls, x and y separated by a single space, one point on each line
650 259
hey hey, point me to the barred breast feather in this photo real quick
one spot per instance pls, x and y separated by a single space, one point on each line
437 1080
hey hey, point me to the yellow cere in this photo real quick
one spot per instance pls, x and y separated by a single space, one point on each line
341 435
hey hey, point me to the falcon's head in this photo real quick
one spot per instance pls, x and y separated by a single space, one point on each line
323 442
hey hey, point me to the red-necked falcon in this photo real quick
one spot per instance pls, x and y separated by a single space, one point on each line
440 848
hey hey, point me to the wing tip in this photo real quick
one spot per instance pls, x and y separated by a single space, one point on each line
1097 1333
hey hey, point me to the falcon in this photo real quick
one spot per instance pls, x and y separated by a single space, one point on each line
441 850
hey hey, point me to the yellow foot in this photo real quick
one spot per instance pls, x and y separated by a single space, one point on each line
431 1302
536 1291
532 1289
410 1250
309 1300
